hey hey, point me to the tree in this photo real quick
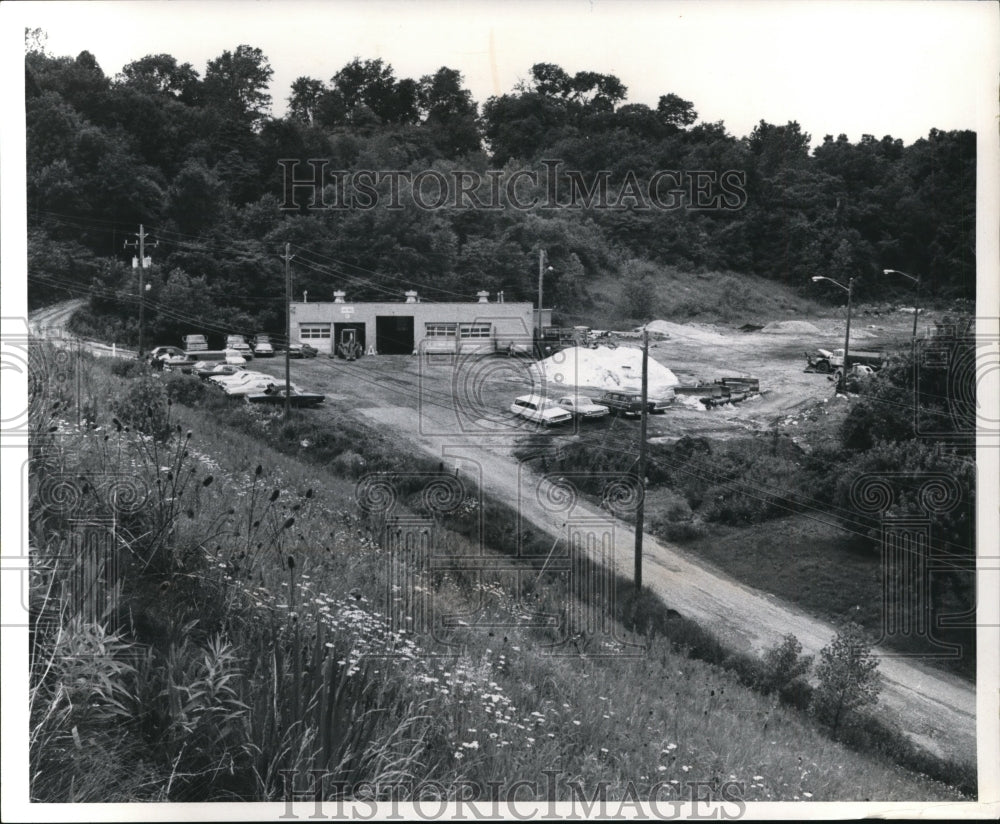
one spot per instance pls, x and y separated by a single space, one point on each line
848 677
160 74
676 111
783 665
237 82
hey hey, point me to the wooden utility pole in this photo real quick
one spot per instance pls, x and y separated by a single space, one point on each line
640 511
288 325
141 243
541 277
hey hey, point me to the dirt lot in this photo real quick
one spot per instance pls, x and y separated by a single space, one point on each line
456 411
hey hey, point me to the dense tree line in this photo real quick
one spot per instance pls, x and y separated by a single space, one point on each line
195 158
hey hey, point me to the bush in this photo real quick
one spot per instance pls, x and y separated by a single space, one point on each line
143 406
128 368
784 666
185 389
848 677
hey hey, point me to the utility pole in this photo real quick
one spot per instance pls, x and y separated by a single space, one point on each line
847 335
141 244
288 324
541 276
640 511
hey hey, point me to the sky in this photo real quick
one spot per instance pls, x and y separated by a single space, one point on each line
898 68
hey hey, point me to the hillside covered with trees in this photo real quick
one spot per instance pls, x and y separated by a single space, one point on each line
194 157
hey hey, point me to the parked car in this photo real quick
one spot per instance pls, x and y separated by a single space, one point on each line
262 347
167 351
539 410
239 343
630 403
302 350
275 394
238 377
195 343
255 386
582 407
212 369
235 358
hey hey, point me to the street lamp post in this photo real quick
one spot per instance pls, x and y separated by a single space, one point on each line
916 280
847 334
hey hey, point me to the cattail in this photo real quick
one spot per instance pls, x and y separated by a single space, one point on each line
258 470
288 522
309 493
291 562
189 434
190 514
149 411
274 495
207 481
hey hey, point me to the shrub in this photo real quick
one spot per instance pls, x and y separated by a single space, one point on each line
128 368
143 406
185 389
848 677
784 665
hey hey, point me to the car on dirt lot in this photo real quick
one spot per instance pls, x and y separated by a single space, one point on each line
630 403
275 394
298 350
262 347
239 343
537 409
214 369
583 408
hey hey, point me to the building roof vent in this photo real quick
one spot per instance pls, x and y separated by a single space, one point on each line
484 296
411 296
338 296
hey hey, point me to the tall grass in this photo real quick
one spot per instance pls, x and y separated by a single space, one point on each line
242 638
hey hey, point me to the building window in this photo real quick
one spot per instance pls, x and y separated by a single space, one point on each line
476 330
440 330
314 331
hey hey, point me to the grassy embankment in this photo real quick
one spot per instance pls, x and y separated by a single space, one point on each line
236 644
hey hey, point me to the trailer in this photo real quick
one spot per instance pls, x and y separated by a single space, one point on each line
722 391
827 362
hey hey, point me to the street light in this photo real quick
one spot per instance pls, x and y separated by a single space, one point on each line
916 280
847 334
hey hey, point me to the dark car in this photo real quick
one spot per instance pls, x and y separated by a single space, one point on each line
630 403
276 395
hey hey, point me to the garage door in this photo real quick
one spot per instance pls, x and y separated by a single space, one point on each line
394 334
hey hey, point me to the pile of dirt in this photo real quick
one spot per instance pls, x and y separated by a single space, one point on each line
607 369
686 333
790 327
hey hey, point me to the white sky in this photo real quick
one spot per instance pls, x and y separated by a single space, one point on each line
896 68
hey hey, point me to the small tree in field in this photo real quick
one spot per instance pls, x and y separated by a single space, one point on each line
848 677
784 664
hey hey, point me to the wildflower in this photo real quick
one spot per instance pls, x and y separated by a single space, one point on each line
576 723
670 747
686 768
661 768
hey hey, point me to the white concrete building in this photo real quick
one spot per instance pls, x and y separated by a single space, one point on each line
412 325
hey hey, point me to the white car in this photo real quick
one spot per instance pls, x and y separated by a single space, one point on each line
239 343
253 387
235 358
539 410
582 407
239 377
262 347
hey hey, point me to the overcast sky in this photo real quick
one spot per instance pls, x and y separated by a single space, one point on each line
879 68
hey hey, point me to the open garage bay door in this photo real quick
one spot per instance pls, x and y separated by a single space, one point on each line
394 334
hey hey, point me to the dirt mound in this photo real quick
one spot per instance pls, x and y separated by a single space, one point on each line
790 327
686 333
604 368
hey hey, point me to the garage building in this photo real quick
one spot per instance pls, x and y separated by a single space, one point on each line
412 325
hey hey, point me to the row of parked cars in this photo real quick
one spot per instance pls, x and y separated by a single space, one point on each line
549 412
